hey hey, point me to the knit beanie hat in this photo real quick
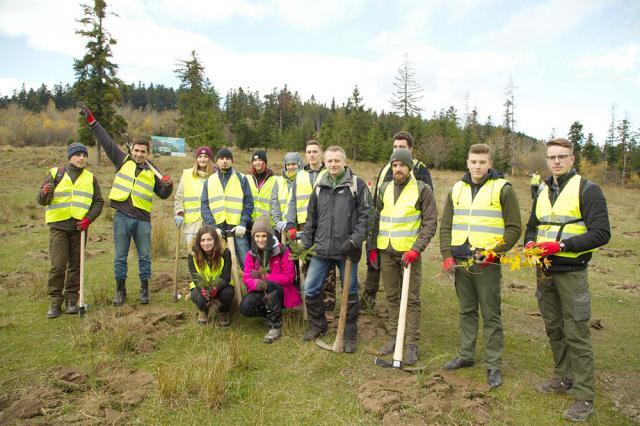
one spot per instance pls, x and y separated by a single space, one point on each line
404 155
291 158
262 225
225 152
204 150
259 155
75 148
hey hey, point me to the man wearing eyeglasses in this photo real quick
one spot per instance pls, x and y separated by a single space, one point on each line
569 221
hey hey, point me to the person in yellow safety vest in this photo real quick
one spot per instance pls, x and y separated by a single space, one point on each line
404 224
535 184
132 197
569 221
281 193
186 202
480 212
210 270
227 203
73 200
261 181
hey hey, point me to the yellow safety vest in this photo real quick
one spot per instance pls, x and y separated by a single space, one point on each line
70 199
140 187
284 195
399 220
225 204
535 179
192 195
303 193
562 220
479 220
261 197
386 168
207 274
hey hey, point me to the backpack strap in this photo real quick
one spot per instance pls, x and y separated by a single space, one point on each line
59 176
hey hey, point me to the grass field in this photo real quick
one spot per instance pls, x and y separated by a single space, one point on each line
153 364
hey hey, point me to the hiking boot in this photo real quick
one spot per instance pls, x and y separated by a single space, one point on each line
494 378
579 411
272 335
330 316
411 357
458 362
389 347
317 320
350 346
121 293
54 310
555 385
351 327
224 318
203 318
72 308
144 292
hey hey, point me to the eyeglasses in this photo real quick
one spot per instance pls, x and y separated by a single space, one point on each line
558 157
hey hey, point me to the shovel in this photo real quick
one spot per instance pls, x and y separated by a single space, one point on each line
302 278
237 288
338 344
175 267
82 307
402 322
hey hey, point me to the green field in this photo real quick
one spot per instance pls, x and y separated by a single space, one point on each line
154 365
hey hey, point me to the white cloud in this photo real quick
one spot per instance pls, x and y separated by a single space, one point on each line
619 59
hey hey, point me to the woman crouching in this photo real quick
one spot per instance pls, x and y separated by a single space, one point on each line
269 276
210 268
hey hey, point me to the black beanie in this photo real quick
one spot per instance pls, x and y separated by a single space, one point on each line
259 155
224 152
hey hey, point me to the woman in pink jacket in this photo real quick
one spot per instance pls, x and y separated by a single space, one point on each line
269 275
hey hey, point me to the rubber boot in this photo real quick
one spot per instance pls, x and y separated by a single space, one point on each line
351 328
121 293
54 310
144 292
317 321
274 316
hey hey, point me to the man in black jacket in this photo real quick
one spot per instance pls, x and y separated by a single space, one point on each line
568 221
337 222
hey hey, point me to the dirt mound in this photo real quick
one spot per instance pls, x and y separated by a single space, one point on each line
600 269
32 403
516 286
623 391
632 234
93 253
627 286
161 281
103 236
40 254
371 327
611 252
15 279
429 399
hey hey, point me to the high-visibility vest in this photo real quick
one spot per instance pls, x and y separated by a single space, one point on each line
208 275
192 195
140 187
399 220
535 179
383 173
562 220
284 195
261 197
225 204
70 199
479 219
304 188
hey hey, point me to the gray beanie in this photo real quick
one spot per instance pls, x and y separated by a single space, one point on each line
404 155
291 158
75 148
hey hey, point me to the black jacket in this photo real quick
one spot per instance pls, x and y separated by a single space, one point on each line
336 215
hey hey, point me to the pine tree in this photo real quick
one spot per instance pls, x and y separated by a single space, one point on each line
97 84
591 151
407 91
624 141
576 137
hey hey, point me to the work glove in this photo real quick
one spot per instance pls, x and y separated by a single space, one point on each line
47 188
292 234
549 247
261 285
213 292
239 230
351 251
204 293
449 265
372 258
179 219
483 260
409 257
280 226
530 245
88 115
256 274
166 180
83 225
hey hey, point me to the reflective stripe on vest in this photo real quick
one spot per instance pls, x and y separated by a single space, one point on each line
207 275
225 204
70 199
192 194
303 193
140 187
261 197
399 220
562 220
479 220
284 195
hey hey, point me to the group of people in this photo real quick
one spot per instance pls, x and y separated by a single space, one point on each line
324 205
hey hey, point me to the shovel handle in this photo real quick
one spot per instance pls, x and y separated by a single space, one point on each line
338 345
175 267
82 249
402 317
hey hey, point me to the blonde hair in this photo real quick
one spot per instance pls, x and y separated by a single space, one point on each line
209 170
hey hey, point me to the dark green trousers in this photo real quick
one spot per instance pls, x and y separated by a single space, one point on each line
64 275
565 304
480 287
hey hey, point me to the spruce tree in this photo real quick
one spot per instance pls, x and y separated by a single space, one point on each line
407 92
576 137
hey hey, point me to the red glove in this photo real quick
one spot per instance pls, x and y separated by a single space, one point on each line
204 293
47 188
88 115
213 292
83 225
166 180
256 274
549 247
487 260
373 259
530 245
449 265
292 234
409 257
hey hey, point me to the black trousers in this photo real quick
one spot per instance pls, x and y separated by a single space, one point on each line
224 296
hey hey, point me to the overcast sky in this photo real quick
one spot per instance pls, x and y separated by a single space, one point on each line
570 60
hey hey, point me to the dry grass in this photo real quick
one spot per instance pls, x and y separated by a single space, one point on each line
36 284
160 239
107 336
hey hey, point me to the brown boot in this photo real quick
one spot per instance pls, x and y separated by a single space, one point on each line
224 318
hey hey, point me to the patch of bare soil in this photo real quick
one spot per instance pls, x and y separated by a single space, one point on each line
103 236
161 281
626 286
632 234
15 279
600 269
611 252
623 391
39 254
437 398
371 327
516 286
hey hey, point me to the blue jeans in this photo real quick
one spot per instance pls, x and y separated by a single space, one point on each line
124 229
242 248
318 270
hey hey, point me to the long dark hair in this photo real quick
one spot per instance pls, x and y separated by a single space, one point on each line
200 257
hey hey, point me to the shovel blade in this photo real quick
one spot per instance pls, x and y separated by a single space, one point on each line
380 362
324 345
82 310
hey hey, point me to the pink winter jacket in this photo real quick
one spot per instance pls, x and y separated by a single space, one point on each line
281 271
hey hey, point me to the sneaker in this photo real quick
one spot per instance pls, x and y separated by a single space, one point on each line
458 362
54 311
411 357
579 411
555 385
225 318
389 347
272 335
202 318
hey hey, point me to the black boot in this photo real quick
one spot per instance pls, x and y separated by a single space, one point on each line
121 293
54 310
317 321
274 316
351 328
144 292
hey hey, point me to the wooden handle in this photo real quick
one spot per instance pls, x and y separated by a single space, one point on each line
81 295
402 318
237 282
175 267
338 345
153 169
